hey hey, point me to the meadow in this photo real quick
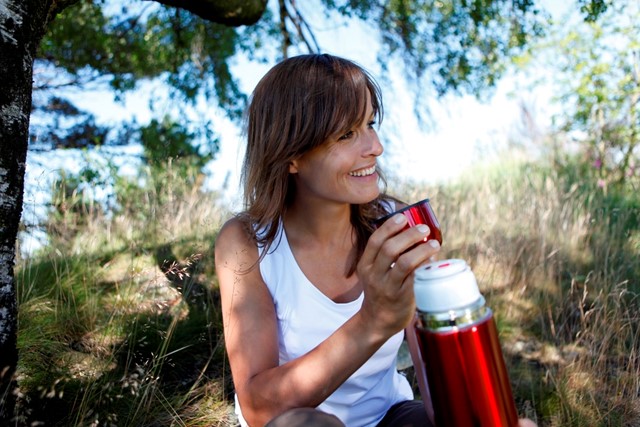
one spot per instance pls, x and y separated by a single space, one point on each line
119 319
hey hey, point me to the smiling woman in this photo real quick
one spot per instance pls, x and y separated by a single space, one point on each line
313 316
306 106
305 249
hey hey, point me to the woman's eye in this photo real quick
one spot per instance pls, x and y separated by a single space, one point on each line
371 124
346 136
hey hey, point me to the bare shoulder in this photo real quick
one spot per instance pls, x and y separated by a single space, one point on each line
237 266
235 247
233 230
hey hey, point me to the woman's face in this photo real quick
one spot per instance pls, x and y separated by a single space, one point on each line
342 170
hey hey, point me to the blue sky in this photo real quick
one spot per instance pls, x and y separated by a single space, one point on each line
466 130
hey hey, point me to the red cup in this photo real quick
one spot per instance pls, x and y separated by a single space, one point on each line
417 213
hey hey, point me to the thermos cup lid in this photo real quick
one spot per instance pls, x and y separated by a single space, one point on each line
445 285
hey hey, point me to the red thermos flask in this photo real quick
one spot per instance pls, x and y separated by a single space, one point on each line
459 347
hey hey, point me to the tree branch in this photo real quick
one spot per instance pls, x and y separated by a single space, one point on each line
233 13
301 24
286 39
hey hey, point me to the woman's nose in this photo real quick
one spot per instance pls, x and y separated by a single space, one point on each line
373 145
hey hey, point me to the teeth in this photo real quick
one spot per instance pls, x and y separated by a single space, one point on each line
364 172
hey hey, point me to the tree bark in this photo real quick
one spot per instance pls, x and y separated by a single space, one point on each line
22 26
228 12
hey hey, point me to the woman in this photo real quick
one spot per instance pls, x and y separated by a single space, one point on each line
314 300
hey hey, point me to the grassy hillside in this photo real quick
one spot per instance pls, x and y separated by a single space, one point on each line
120 322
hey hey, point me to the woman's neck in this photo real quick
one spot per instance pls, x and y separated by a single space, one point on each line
326 224
323 244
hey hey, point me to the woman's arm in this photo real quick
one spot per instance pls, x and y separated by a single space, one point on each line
250 326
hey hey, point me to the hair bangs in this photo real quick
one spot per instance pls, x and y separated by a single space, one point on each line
352 102
340 101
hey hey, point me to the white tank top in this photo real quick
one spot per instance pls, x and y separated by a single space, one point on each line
306 317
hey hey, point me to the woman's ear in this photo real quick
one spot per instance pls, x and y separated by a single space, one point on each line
293 166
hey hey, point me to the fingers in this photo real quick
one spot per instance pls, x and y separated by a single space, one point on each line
399 250
391 227
389 296
395 244
418 254
406 249
373 256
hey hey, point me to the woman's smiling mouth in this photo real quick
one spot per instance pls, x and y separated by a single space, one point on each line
364 172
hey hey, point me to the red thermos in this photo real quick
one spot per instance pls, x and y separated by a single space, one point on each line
459 347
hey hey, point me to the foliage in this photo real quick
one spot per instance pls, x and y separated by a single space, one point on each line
167 139
593 8
93 44
99 188
597 81
456 45
129 42
459 45
462 44
73 202
66 127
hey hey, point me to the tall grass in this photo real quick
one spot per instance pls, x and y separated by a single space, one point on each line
118 317
120 322
558 261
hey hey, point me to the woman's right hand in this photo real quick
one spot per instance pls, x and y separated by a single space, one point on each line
386 272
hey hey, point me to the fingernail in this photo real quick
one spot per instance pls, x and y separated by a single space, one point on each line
424 229
399 219
434 244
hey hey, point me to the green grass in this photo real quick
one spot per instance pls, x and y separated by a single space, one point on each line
119 318
559 264
120 324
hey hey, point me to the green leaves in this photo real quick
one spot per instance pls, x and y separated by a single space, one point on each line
121 44
592 9
456 45
143 40
167 139
601 87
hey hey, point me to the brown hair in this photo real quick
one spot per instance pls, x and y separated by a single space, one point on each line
297 106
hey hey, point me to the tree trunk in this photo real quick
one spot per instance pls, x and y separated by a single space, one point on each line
22 24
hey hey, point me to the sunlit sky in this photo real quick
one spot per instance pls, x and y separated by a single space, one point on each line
460 130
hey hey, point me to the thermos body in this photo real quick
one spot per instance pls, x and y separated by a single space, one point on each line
459 345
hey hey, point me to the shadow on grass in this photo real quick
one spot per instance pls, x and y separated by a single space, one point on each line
155 366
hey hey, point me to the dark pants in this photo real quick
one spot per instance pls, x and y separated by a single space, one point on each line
410 413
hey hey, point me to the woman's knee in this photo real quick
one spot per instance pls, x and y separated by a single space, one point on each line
307 417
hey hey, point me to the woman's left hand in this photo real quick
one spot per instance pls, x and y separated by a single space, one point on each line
386 273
